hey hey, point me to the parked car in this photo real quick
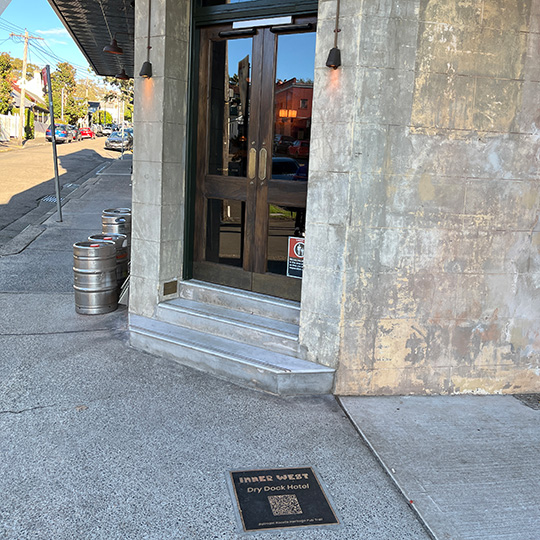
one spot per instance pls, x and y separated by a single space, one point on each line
98 130
87 133
108 129
62 133
75 132
299 149
282 143
284 168
115 141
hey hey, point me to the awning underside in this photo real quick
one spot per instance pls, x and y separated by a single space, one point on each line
93 24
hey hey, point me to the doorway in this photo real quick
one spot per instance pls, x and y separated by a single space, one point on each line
255 90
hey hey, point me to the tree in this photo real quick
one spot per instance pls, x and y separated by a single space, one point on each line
102 117
6 75
89 90
123 92
64 78
17 69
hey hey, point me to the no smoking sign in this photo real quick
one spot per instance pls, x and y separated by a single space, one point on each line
295 259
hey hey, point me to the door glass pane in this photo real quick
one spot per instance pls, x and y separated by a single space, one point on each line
293 96
229 107
225 232
283 222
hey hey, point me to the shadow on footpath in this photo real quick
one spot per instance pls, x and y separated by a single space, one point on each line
26 201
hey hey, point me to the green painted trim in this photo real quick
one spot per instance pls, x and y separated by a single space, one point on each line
191 154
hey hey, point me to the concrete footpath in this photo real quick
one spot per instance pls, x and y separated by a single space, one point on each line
101 441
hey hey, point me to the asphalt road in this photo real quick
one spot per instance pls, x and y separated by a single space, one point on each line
27 175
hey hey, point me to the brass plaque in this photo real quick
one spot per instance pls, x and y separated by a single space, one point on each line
281 498
170 287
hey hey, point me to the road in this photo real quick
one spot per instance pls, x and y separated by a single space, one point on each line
27 175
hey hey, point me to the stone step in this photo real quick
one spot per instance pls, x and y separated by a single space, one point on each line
248 302
267 333
236 362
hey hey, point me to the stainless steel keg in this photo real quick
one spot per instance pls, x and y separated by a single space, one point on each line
122 254
117 221
95 283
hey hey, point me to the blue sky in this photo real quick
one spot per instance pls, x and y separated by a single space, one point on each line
40 20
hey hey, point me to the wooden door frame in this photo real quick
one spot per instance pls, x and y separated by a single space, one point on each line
258 280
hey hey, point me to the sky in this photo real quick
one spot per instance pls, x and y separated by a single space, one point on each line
40 20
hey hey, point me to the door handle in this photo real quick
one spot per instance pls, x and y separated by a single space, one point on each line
252 164
263 156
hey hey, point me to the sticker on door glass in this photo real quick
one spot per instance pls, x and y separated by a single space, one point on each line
295 258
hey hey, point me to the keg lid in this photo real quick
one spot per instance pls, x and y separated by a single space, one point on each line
113 211
107 244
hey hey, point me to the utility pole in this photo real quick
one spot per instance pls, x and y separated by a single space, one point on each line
22 109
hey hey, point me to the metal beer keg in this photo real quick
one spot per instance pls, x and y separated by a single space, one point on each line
95 283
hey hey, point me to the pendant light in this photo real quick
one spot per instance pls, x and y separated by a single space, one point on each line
113 47
334 56
123 75
146 70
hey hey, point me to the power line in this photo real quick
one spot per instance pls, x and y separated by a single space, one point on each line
42 53
13 25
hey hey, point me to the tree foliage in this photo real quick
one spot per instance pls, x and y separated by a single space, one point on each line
102 117
6 75
29 119
123 91
89 90
17 69
64 78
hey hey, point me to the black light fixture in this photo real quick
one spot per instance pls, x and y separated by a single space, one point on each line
334 56
123 75
146 70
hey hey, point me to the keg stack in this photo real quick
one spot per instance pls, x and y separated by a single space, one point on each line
101 264
117 221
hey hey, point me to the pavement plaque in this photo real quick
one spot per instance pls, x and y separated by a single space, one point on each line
281 498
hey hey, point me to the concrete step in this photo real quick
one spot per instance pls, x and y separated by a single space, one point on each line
241 363
237 325
248 302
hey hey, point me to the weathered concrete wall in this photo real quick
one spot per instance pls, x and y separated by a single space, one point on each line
424 177
159 153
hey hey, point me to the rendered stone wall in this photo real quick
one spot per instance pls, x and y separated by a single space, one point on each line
159 153
424 190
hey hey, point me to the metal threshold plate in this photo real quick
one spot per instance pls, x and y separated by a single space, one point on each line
269 499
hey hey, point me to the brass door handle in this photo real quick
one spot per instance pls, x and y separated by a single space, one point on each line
252 164
263 156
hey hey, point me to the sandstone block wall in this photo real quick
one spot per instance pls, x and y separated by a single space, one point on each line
424 188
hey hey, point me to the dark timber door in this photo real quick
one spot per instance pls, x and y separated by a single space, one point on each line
254 121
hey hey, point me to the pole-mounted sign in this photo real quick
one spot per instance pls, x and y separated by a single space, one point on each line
46 80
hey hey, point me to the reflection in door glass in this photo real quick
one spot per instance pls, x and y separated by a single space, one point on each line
229 107
293 96
225 232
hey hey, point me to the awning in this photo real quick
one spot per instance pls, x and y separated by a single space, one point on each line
93 24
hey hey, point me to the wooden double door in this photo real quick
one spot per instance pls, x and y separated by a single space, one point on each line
255 91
